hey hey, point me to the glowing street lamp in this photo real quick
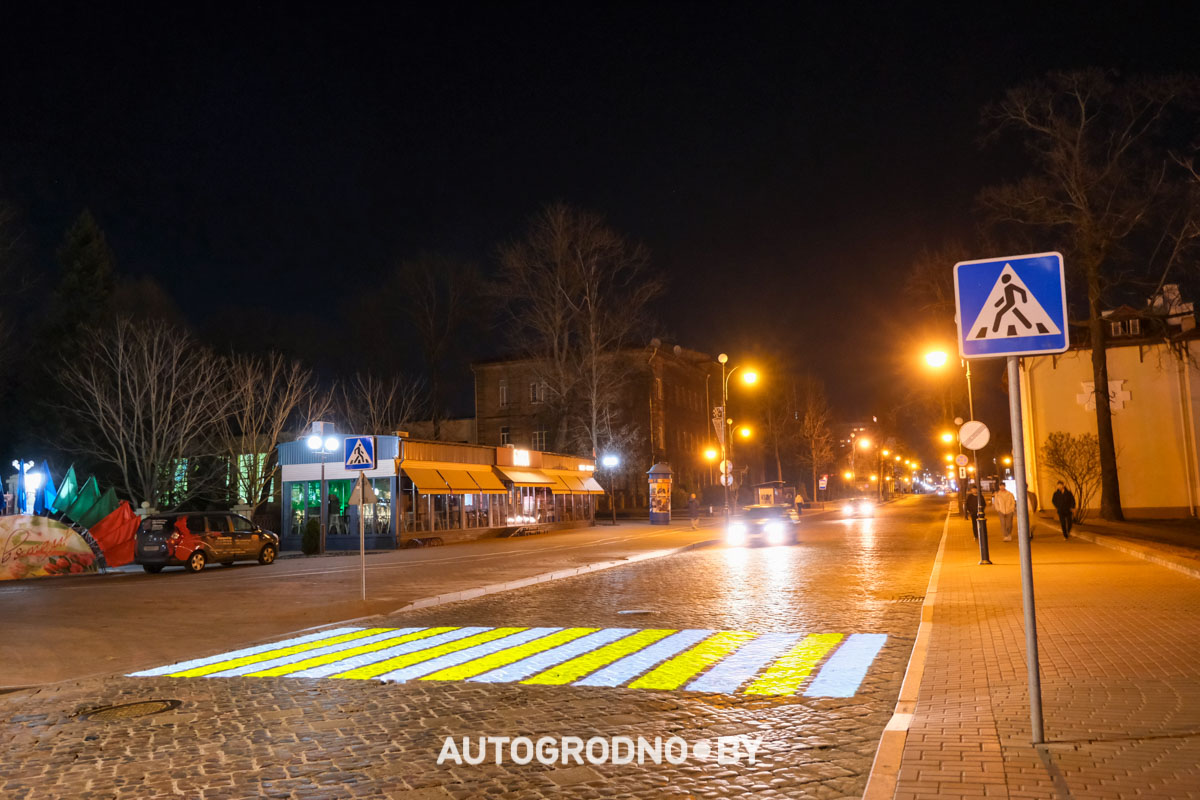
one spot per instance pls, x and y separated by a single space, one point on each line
611 461
744 432
710 454
749 377
947 437
848 475
936 358
324 446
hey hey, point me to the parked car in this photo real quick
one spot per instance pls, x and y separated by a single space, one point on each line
767 524
193 539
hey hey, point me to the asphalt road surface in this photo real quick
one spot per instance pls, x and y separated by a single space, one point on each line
796 653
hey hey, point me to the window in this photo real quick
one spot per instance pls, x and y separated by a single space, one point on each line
503 392
537 393
1118 329
1134 326
539 439
505 436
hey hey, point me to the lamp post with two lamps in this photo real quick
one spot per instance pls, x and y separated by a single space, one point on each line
749 377
323 445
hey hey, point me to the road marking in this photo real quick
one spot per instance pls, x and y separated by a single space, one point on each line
845 669
638 662
576 668
786 674
399 662
280 651
672 674
661 659
507 656
743 665
386 642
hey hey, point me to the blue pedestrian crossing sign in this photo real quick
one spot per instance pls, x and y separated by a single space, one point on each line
1013 306
360 452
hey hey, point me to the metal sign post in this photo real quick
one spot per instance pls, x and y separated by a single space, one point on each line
362 496
1010 307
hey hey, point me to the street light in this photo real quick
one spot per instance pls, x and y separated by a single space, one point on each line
749 377
947 437
611 461
744 432
324 446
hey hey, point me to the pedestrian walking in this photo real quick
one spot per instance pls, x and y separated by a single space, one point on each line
694 511
971 509
1005 504
1064 504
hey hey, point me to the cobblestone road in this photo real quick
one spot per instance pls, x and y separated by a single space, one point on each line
235 737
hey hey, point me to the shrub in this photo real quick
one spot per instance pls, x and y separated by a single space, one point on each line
310 540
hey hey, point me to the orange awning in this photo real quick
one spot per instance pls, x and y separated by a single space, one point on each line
427 480
487 481
526 477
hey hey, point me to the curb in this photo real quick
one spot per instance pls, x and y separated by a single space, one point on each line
885 769
1144 552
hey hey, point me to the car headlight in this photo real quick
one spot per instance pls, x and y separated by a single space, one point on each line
848 509
774 531
736 533
866 508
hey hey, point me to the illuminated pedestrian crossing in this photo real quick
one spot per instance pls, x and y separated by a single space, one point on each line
663 659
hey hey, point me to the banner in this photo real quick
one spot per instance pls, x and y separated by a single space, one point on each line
33 547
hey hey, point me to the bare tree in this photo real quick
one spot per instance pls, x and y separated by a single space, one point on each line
1098 167
1076 460
440 299
147 398
814 433
14 279
369 404
576 293
269 396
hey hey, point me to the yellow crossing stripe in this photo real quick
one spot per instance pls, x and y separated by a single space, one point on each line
374 670
672 674
220 666
329 658
587 663
484 664
786 674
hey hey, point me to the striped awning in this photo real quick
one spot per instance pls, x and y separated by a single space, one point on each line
592 486
459 480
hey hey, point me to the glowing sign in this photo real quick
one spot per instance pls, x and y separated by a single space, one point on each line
520 458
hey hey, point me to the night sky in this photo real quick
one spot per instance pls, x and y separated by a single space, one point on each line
783 163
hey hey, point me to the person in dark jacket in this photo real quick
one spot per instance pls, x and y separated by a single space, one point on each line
694 511
1064 504
971 509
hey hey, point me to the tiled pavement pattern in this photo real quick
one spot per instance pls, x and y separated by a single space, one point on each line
249 737
728 662
1120 659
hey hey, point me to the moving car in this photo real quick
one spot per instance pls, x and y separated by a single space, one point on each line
192 539
768 524
859 507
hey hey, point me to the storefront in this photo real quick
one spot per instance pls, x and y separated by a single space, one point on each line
434 490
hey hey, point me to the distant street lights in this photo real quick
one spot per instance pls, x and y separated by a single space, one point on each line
611 462
749 377
324 446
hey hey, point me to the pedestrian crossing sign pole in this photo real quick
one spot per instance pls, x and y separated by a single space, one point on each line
1008 308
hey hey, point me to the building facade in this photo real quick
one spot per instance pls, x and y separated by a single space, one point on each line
1154 391
665 406
428 489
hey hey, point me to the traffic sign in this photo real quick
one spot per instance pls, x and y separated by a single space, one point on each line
974 435
961 459
1011 306
824 484
726 467
727 480
360 452
363 494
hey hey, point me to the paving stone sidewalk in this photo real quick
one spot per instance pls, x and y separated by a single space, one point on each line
1120 666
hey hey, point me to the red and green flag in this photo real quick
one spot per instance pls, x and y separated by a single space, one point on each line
116 534
99 510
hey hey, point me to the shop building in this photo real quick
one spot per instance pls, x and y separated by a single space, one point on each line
429 489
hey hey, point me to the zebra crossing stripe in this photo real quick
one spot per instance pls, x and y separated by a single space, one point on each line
364 659
729 662
506 656
786 674
245 651
290 665
267 655
730 673
672 674
843 673
576 668
519 670
480 650
636 663
399 662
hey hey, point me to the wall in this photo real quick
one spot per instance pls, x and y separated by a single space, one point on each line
1156 446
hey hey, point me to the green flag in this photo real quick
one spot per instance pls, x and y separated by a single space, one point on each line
66 491
99 510
87 496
